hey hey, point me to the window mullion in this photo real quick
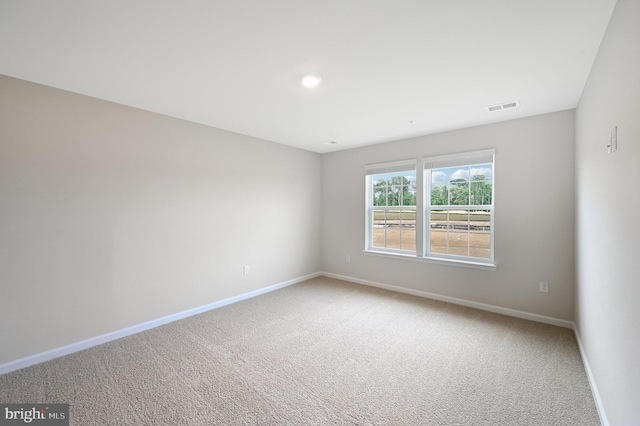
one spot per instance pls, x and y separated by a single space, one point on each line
419 215
469 231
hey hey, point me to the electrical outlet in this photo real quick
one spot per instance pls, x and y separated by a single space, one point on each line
246 269
348 259
544 286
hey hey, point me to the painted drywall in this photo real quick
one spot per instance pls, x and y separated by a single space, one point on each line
607 225
112 216
534 216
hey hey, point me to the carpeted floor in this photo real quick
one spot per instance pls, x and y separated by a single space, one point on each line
323 352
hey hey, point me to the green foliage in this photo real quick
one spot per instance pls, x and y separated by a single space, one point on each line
480 191
400 191
397 191
439 196
462 192
459 192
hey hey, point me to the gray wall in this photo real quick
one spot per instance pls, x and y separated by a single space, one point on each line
534 216
112 216
608 212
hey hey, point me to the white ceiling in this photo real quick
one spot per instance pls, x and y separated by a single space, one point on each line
390 69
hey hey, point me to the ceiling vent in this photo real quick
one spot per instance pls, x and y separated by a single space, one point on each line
508 105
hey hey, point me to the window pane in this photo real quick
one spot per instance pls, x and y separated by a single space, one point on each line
450 231
408 230
459 193
394 229
480 193
394 189
379 228
438 234
480 234
481 178
482 172
456 230
393 237
380 193
438 241
439 189
401 229
458 243
410 194
439 219
439 195
480 245
395 195
439 176
459 174
459 232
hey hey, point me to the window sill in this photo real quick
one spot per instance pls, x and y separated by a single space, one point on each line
448 262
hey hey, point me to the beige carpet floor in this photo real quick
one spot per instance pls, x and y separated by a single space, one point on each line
323 352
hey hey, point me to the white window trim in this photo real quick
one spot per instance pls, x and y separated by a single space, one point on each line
423 193
440 261
381 168
470 158
469 155
390 167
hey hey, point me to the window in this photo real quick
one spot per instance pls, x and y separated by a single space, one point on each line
391 207
459 206
455 197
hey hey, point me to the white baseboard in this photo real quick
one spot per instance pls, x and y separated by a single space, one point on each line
457 301
104 338
592 380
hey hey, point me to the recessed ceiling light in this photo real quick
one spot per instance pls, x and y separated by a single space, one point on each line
310 81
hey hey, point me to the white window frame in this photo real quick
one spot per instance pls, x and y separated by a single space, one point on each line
423 205
382 168
458 160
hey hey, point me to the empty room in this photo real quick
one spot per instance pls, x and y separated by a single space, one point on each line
415 212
